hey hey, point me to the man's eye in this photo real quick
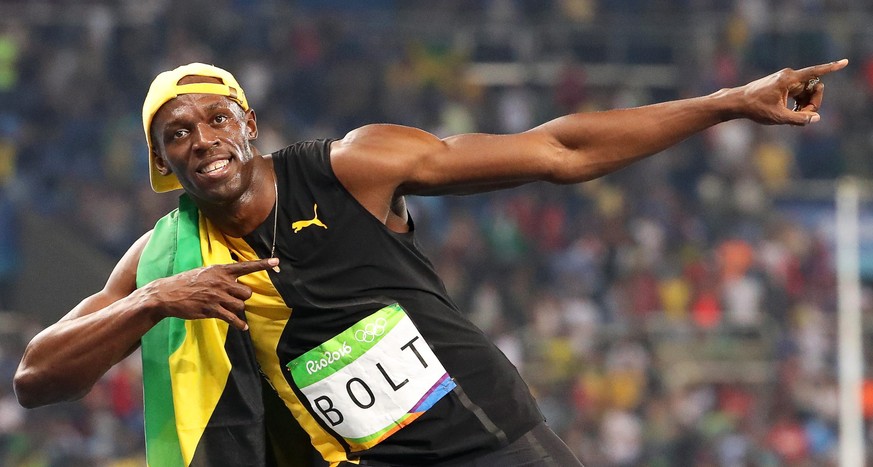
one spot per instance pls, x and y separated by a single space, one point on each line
220 118
180 134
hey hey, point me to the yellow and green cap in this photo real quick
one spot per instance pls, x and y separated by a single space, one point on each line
166 87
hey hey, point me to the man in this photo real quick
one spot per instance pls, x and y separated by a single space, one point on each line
302 265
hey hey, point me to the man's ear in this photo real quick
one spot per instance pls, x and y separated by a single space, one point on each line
161 164
251 125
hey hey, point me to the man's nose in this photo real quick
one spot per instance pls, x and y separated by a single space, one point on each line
205 136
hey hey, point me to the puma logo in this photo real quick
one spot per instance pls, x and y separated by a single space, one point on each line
300 225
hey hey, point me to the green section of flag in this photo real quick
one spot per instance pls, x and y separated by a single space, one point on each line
346 347
173 247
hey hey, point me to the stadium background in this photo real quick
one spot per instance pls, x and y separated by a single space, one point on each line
679 312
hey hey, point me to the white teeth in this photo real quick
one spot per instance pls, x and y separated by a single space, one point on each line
214 166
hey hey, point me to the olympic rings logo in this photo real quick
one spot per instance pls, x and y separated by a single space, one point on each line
371 331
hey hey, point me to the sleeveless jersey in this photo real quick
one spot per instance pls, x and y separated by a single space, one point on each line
358 336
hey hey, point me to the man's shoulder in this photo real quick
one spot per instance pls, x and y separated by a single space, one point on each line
384 133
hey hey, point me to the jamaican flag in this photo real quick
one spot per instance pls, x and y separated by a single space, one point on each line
202 390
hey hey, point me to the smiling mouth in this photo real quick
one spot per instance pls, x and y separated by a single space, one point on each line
214 166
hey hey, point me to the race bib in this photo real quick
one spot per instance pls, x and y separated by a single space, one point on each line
372 379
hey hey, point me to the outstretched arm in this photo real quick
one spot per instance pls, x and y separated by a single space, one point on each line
378 163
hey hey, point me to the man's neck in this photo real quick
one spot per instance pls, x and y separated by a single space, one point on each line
241 216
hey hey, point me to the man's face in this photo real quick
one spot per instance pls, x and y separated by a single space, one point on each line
204 139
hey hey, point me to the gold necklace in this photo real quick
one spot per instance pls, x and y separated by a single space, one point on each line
275 223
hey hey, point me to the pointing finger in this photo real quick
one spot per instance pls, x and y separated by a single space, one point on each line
248 267
811 72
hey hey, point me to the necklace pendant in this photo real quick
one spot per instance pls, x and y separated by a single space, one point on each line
276 268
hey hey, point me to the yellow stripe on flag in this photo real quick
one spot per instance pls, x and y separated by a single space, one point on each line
199 380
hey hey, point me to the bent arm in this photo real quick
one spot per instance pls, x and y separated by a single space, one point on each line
66 359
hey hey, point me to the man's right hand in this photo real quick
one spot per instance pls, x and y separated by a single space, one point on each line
207 292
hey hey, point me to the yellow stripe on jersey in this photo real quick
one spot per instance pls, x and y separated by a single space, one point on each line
267 315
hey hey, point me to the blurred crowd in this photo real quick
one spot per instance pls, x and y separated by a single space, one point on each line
669 314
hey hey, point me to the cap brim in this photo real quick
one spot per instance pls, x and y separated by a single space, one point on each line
161 183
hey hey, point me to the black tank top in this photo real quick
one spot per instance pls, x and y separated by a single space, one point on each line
341 269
